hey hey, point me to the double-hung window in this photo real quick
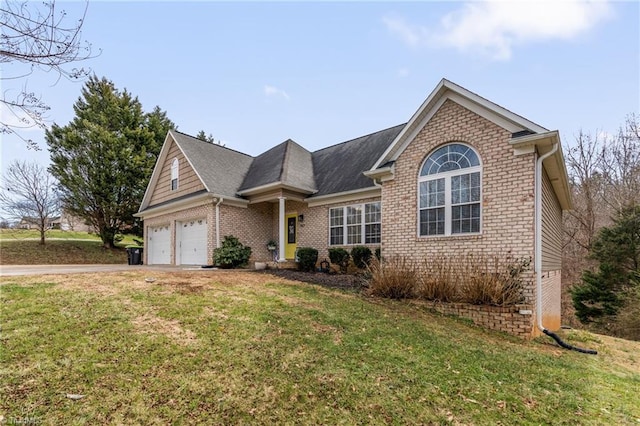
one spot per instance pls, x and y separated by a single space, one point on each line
449 190
355 224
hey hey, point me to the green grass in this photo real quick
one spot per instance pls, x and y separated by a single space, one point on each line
21 247
239 347
58 252
32 234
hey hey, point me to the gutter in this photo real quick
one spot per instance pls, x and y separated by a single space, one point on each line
220 200
538 254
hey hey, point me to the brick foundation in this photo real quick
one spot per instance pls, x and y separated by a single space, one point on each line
508 319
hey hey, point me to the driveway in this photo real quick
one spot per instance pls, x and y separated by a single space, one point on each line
12 270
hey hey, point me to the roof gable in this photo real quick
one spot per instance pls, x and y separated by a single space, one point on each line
287 164
448 90
220 169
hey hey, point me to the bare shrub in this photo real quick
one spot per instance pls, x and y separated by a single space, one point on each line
492 280
437 280
394 278
474 278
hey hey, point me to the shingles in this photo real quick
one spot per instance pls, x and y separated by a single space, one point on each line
340 168
266 168
287 163
337 168
221 169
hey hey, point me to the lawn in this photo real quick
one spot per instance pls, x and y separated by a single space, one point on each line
21 247
214 347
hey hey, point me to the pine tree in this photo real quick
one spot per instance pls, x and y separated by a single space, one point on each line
104 157
617 249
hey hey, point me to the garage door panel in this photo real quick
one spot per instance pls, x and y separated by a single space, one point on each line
159 245
192 244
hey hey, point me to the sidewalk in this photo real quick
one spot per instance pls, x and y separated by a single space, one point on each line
14 270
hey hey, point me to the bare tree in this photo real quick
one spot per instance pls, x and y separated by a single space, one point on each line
621 164
29 192
39 37
604 172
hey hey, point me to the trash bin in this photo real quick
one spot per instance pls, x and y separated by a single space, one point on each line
134 255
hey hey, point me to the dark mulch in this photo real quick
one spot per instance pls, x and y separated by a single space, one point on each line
332 280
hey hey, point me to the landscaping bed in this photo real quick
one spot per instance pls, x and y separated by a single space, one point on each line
329 280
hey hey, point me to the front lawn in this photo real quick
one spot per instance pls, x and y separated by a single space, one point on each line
219 347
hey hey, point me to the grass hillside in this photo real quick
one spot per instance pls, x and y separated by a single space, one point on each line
21 247
219 347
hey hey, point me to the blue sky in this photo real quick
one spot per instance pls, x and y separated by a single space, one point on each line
256 74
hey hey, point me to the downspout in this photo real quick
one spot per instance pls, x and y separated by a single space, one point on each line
218 221
538 254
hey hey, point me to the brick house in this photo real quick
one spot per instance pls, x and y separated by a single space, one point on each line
459 176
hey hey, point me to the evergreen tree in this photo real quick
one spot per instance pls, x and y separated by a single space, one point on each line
104 157
617 249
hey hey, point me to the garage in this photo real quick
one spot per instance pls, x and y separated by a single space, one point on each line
159 245
191 247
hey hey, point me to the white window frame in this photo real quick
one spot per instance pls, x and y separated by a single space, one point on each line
447 176
175 174
363 224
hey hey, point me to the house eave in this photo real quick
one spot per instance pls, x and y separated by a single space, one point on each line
199 199
274 186
381 174
554 165
345 196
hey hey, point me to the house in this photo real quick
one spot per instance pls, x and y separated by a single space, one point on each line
27 222
462 175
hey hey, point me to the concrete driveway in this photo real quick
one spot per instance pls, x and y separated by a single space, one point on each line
13 270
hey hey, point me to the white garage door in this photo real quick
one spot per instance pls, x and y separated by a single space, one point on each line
159 246
192 242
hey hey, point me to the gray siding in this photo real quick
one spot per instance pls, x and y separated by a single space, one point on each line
551 227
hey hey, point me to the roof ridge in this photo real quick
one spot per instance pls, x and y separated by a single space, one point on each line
359 137
215 144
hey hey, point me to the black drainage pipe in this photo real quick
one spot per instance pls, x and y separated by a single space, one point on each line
555 337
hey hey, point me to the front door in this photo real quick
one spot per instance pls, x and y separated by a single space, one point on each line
291 236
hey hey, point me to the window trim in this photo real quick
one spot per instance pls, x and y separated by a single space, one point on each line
363 224
175 174
447 194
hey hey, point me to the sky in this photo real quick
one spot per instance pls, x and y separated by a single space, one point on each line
254 74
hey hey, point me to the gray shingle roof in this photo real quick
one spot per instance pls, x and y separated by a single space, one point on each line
221 169
335 169
287 163
339 168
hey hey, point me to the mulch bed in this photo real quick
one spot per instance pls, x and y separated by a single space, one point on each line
332 280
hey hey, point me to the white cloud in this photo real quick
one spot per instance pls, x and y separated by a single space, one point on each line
271 91
494 28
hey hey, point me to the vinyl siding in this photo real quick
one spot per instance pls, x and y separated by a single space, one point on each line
551 228
188 181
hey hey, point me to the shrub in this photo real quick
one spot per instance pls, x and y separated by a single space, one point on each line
232 254
438 280
339 256
492 280
378 253
361 256
307 258
395 278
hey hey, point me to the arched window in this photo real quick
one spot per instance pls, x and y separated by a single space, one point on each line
449 189
174 174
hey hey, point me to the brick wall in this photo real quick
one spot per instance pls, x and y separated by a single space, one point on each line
507 193
251 225
204 211
515 320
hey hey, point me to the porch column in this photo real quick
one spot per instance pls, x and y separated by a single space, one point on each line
281 229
